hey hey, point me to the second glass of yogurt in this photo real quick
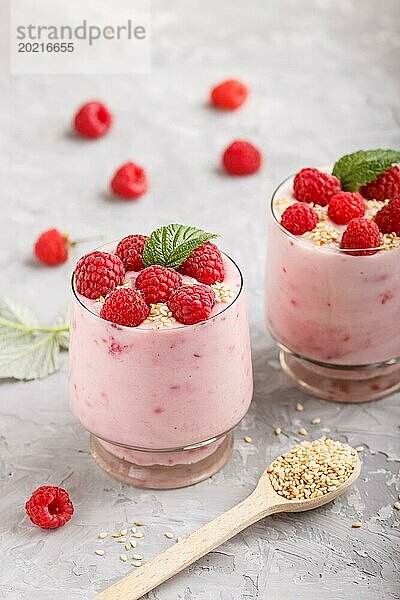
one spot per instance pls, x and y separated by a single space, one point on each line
334 311
162 398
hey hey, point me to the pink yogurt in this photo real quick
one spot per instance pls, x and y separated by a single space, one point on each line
161 389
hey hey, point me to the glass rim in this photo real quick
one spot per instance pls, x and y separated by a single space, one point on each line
162 329
300 240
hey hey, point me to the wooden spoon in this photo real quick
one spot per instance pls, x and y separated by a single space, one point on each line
263 501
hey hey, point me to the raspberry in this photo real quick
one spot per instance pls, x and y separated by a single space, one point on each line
51 247
311 185
92 120
241 158
385 187
299 218
205 264
125 307
129 181
345 206
388 218
191 303
360 234
229 94
130 251
98 273
49 507
157 283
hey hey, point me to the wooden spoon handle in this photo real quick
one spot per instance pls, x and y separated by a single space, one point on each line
190 549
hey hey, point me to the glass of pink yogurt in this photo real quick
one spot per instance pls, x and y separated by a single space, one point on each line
161 399
334 312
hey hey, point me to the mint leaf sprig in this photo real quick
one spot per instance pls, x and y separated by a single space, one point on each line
28 350
359 168
171 245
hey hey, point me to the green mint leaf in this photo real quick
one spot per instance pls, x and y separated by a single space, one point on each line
171 245
359 168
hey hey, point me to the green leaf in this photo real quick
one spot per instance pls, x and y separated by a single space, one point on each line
359 168
171 245
62 322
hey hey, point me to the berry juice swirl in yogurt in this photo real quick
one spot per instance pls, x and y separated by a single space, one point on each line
333 281
160 362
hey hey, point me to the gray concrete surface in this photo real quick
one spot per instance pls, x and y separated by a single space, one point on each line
324 82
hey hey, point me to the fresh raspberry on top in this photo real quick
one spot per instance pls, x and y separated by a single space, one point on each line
49 507
229 94
92 120
311 185
125 307
129 181
51 247
388 218
385 187
360 234
345 206
241 158
157 283
299 218
204 264
192 303
98 273
130 250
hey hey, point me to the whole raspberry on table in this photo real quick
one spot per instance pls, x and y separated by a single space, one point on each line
299 218
241 158
312 185
98 273
125 307
92 120
388 218
361 234
49 507
51 247
345 206
385 187
129 181
157 283
229 94
204 264
192 303
130 250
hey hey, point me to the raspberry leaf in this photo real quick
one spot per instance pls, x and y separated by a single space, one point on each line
359 168
28 351
171 245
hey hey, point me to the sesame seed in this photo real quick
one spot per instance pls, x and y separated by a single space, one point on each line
133 543
397 505
248 439
117 534
302 431
277 431
128 546
356 524
138 523
138 534
133 529
121 540
136 563
137 557
316 421
123 557
103 535
360 448
169 535
179 538
124 531
299 407
99 552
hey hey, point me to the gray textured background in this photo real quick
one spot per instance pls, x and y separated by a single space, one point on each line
324 82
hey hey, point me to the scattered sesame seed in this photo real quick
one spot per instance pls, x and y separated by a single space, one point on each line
312 469
137 557
179 538
121 540
299 407
356 524
397 505
136 563
223 293
117 534
169 535
316 421
133 543
133 529
138 523
99 552
103 535
138 534
278 431
360 448
128 546
248 439
123 557
124 531
160 316
302 431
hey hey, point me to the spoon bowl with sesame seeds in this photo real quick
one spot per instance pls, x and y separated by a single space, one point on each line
308 476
